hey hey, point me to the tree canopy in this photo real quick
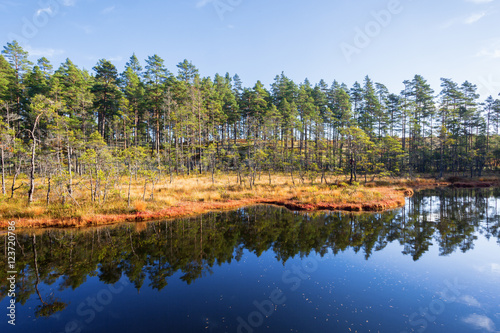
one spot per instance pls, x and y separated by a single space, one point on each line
188 124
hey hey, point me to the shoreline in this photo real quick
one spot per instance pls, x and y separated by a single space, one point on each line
395 199
188 209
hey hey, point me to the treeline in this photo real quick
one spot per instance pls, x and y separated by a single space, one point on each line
103 124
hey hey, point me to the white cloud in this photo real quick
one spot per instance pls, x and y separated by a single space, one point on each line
470 301
6 4
473 18
47 10
203 3
469 19
492 267
85 28
496 267
478 2
480 322
43 52
490 49
448 24
113 59
68 3
108 10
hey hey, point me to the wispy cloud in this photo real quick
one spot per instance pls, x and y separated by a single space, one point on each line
203 3
6 4
85 28
480 322
43 52
447 24
470 19
473 18
108 10
112 59
69 3
493 267
118 58
479 1
470 301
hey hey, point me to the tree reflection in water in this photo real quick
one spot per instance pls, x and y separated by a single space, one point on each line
450 218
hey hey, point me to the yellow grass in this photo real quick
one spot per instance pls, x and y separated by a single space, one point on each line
191 193
140 206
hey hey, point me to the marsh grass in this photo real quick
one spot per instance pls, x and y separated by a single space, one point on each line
190 191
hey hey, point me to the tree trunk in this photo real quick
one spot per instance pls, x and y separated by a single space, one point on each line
70 183
129 184
3 173
32 172
48 190
13 188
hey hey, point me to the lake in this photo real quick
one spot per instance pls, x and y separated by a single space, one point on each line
431 266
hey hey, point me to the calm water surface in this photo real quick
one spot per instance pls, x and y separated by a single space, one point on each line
432 266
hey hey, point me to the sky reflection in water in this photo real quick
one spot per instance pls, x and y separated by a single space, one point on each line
432 266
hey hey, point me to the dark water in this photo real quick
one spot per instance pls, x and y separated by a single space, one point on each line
433 266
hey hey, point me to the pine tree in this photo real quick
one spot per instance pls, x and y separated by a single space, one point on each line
17 57
134 91
356 93
155 79
106 96
371 108
6 81
421 119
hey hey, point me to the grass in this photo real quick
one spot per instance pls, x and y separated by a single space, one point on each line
197 194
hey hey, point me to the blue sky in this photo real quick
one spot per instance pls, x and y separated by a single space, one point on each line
258 39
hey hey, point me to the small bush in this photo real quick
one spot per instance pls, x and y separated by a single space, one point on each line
140 206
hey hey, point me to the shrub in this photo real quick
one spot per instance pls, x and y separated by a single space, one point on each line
140 206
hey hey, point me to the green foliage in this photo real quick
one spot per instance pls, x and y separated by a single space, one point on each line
101 125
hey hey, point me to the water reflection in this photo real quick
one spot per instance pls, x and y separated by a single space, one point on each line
153 252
